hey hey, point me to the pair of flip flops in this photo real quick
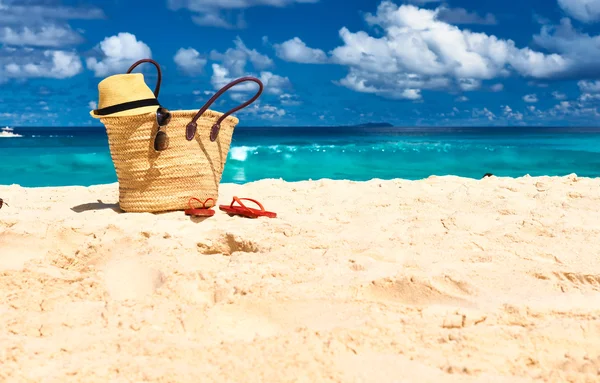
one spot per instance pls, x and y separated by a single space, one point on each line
232 209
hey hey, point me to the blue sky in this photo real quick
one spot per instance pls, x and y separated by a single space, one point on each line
323 62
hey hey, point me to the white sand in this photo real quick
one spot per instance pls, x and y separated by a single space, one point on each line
441 280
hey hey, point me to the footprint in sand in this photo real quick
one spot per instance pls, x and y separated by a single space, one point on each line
566 280
414 290
227 244
130 279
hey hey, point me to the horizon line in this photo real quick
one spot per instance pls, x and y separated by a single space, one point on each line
366 125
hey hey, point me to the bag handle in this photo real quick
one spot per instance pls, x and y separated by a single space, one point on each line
158 81
191 128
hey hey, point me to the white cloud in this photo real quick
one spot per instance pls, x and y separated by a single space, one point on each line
189 60
44 36
295 50
589 86
462 99
558 95
587 97
41 23
213 13
233 64
289 99
497 87
265 112
531 98
580 50
485 112
422 2
575 109
235 59
21 13
40 64
34 36
117 53
418 51
509 113
403 86
273 84
590 91
582 10
93 105
584 109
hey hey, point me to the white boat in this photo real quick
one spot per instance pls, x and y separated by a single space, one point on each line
7 132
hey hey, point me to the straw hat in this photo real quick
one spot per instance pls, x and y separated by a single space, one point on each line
124 95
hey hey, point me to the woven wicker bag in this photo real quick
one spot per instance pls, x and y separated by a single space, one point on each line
192 165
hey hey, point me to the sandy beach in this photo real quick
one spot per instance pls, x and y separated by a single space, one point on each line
440 280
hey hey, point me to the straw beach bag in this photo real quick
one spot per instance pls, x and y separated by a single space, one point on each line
159 168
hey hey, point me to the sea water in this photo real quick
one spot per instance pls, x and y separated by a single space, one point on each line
80 156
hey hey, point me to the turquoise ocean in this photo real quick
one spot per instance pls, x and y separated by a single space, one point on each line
80 156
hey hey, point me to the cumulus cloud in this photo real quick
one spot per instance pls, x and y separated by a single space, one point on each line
273 84
589 86
531 98
116 54
235 59
264 111
483 113
419 51
40 23
36 38
511 114
586 11
289 99
580 50
189 60
422 2
233 63
295 50
39 64
558 95
43 36
29 12
586 97
590 91
214 13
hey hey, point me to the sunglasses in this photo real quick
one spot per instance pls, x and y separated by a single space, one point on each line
161 140
2 203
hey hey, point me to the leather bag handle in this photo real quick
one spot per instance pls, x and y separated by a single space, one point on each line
191 128
158 81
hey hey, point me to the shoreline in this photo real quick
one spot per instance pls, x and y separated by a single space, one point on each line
444 279
449 176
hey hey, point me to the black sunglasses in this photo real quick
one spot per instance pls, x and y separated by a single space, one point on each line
161 140
2 203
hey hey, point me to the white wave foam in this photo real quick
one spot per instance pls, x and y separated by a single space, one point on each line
240 153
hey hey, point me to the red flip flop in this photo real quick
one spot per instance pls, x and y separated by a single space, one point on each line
245 211
200 212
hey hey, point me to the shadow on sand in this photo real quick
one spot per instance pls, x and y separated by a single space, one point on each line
97 206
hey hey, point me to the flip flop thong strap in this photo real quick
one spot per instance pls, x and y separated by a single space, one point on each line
203 203
239 201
